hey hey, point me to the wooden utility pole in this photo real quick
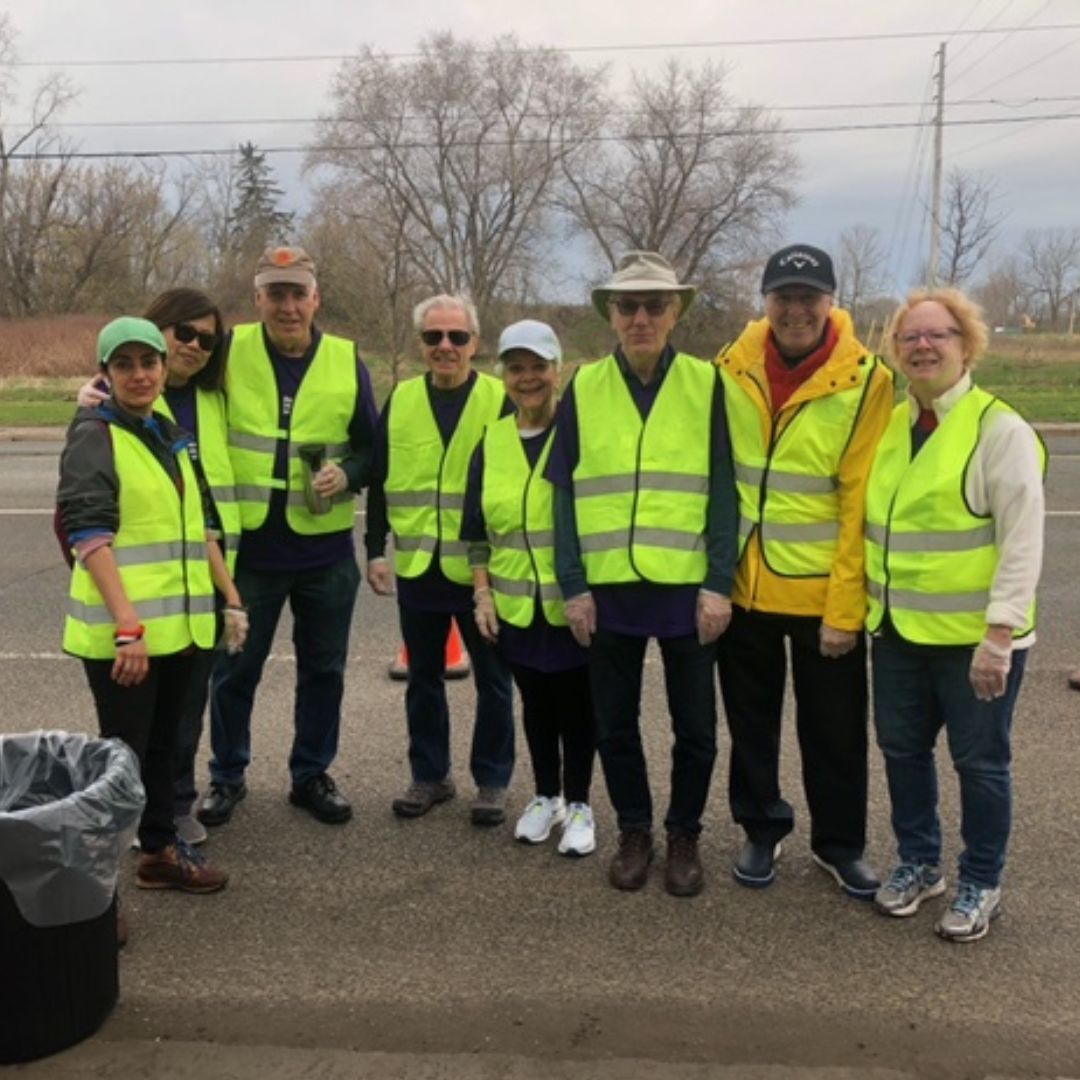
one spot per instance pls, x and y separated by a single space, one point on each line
935 203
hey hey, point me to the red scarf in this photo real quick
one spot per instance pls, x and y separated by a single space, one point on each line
785 379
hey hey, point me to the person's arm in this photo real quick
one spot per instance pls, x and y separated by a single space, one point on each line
845 601
473 525
380 574
722 516
357 463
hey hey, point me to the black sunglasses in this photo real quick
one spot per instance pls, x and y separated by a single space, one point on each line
458 338
654 306
185 333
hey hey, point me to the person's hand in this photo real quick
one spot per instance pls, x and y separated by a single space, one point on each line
91 394
236 628
990 665
487 621
380 576
834 643
330 480
713 615
132 663
581 615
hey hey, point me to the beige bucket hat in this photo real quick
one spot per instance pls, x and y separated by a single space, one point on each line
642 271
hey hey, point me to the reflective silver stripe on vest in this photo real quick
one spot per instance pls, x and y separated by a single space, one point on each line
454 547
779 480
163 551
224 493
296 498
258 492
415 543
551 592
333 450
955 603
818 532
516 541
746 526
242 440
98 615
615 539
510 587
960 540
411 498
652 480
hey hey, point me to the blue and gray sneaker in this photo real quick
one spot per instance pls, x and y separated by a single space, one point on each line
969 914
908 886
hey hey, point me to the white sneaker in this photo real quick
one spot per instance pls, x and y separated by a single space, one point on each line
579 832
539 818
190 829
968 916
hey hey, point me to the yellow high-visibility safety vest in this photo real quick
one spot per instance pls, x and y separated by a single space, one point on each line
425 483
519 513
321 414
930 561
160 551
641 489
213 445
788 481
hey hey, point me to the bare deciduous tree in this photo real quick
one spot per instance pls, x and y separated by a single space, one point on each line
688 174
1050 261
1003 294
970 224
462 146
861 272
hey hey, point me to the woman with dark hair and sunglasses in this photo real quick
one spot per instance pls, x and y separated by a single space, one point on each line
194 334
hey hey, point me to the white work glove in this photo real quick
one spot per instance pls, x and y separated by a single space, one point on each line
834 643
487 621
380 576
989 672
92 393
713 615
236 629
581 615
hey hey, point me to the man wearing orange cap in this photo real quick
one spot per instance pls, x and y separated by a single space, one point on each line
301 419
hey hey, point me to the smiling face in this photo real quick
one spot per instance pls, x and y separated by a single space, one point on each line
531 383
643 323
137 375
288 313
930 350
797 316
448 362
188 358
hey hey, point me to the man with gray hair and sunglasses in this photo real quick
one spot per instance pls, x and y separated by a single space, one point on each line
428 430
645 546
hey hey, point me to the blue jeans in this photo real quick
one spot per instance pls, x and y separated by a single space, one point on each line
428 714
322 603
917 691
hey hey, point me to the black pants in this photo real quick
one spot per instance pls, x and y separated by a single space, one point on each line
189 732
557 713
830 719
615 666
147 717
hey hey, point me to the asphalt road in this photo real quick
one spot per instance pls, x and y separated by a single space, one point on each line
431 948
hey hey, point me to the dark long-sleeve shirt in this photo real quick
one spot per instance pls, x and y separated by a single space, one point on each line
645 608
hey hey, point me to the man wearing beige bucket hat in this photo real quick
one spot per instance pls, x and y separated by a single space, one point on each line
645 547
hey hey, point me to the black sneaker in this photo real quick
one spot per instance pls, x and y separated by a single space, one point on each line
219 803
321 798
854 876
755 866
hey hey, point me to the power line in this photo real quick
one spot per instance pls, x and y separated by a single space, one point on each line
1026 67
355 147
997 45
833 107
322 58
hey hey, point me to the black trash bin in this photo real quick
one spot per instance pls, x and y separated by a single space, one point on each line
68 806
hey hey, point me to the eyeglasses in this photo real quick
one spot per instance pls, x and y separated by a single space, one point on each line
935 337
458 338
627 308
185 333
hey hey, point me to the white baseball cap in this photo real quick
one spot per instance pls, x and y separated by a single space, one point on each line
532 335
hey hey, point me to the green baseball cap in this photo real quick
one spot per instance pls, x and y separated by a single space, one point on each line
128 328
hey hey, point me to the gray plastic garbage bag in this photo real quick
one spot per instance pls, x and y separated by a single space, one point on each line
69 806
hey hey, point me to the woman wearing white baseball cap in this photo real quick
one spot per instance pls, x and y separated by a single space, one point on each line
509 527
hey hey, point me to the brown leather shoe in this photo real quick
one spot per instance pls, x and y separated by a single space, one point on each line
630 867
683 875
178 866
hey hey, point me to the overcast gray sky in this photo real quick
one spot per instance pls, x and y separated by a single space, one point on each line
848 177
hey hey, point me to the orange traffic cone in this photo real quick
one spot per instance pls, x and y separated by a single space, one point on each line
457 661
